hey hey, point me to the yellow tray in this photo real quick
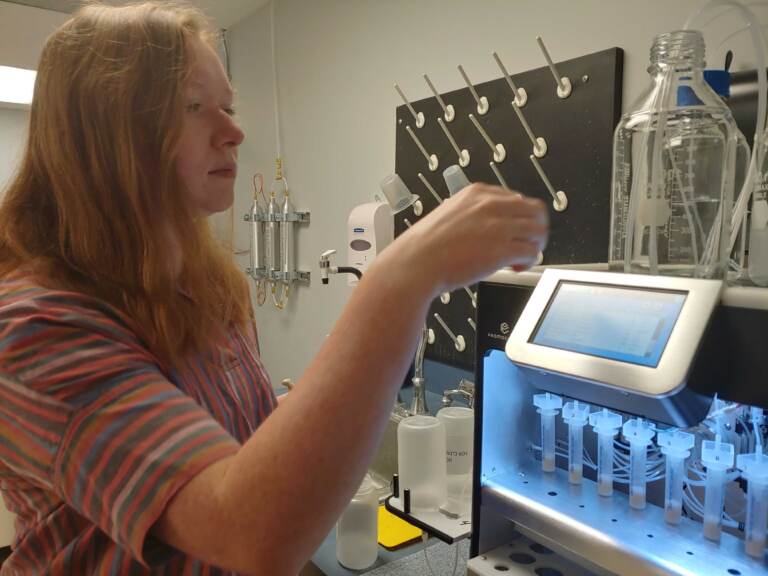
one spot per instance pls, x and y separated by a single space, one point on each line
395 532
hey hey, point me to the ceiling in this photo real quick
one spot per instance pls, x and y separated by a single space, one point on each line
224 12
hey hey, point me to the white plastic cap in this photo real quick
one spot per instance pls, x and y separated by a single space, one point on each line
638 431
455 179
717 454
605 421
548 402
576 412
754 466
398 195
675 442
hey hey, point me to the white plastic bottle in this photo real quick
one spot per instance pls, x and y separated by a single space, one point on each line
357 531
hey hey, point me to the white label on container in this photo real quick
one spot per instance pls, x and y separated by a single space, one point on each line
459 454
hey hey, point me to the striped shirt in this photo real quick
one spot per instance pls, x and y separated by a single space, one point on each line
96 438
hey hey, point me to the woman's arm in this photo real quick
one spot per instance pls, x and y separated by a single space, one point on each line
267 508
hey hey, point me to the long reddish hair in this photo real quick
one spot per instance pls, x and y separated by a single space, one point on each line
96 200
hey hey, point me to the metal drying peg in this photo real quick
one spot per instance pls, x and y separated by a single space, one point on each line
539 144
458 341
472 296
563 82
431 159
448 112
462 153
499 153
559 199
472 323
419 118
521 96
482 101
430 188
499 177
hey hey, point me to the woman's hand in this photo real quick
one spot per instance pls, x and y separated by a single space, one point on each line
472 234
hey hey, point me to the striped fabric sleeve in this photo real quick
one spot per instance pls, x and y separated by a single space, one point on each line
93 416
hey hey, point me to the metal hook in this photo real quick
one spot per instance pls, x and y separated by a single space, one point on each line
431 159
521 96
539 144
419 118
559 199
563 82
499 153
430 188
458 341
472 296
462 153
499 177
448 110
482 101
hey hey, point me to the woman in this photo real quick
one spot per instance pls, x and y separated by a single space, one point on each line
134 436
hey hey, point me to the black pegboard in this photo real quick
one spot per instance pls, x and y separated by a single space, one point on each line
579 135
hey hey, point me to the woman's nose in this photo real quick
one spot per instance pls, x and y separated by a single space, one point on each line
229 133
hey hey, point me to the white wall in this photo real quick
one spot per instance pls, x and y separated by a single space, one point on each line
13 130
337 61
23 31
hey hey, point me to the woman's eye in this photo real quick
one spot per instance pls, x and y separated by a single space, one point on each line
230 111
194 107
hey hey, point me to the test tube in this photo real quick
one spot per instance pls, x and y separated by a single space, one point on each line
755 471
639 433
548 406
575 414
676 447
717 456
605 424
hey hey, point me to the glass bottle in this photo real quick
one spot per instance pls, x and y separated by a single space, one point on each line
673 169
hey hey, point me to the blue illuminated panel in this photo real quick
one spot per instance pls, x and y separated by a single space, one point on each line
625 324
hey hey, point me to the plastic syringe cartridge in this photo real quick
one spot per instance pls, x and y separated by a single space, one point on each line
717 456
605 424
548 406
575 414
676 447
639 433
754 468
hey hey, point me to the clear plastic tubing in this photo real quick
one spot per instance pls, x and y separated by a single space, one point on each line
575 414
755 471
548 406
639 433
605 424
718 457
759 44
676 447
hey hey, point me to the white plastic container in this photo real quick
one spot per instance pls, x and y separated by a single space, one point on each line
639 433
421 443
357 531
676 447
718 457
459 425
548 407
605 424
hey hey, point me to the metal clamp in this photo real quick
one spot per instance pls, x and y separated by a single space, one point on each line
301 217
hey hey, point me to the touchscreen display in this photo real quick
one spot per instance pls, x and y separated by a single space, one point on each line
625 324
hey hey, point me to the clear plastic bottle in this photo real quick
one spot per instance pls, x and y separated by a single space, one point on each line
758 233
357 531
674 169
